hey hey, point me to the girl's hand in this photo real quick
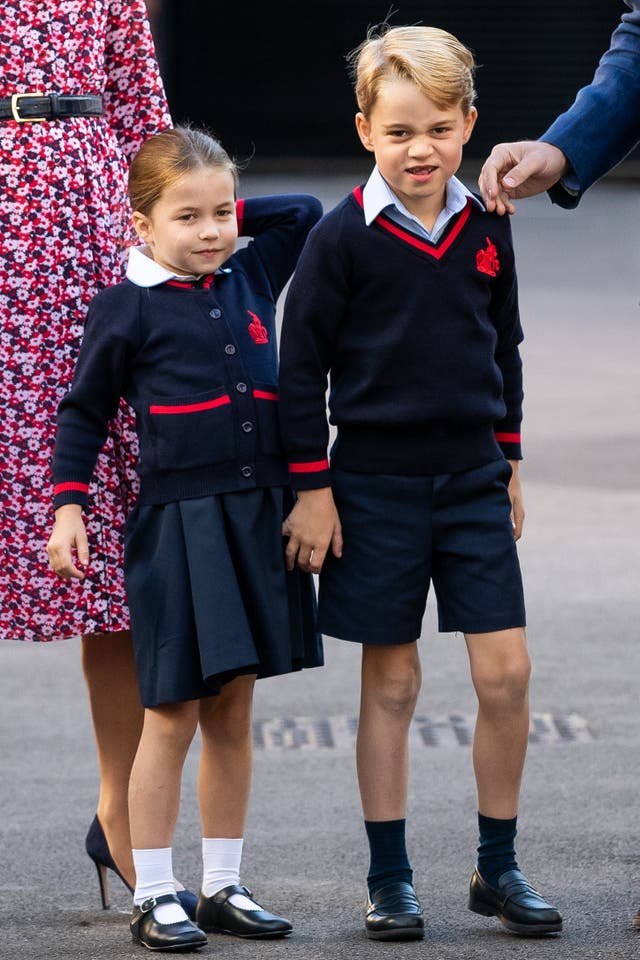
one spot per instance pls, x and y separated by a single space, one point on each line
68 534
312 527
515 495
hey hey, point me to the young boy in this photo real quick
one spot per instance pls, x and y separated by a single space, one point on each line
406 296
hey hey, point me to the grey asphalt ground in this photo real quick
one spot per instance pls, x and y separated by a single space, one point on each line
305 850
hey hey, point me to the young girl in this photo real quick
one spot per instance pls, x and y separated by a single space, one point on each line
189 341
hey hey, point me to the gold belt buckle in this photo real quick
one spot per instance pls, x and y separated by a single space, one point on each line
15 108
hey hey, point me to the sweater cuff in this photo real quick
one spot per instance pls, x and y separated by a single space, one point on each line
70 491
309 474
240 216
509 442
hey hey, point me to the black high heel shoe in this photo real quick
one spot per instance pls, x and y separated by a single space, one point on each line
98 849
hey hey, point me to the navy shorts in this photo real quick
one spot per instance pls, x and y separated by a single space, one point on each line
400 533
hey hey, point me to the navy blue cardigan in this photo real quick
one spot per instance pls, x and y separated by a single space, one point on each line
199 365
420 341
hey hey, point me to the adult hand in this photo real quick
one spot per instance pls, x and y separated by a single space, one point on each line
68 534
516 170
312 527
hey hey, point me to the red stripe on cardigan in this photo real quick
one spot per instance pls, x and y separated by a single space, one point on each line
313 467
190 407
240 215
70 485
265 395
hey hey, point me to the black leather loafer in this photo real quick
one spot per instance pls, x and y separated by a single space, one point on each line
145 929
216 915
394 913
519 907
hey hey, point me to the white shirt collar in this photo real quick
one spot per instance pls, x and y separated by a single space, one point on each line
143 270
377 195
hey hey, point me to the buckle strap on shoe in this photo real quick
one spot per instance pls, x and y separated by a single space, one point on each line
152 902
235 888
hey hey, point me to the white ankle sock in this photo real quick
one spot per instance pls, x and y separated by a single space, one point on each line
221 858
154 878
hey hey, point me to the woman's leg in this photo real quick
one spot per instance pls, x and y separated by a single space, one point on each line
117 714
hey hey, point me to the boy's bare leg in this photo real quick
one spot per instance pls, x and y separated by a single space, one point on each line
391 679
500 670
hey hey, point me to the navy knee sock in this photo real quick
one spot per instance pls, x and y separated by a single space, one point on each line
387 846
496 851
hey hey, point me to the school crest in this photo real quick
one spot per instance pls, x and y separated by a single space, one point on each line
487 259
257 330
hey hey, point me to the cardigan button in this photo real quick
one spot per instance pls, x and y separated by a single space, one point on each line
230 349
241 387
247 472
215 313
247 426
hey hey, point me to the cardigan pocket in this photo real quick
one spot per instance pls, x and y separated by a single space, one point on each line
192 431
266 398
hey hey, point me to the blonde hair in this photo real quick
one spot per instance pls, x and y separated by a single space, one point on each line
433 59
167 156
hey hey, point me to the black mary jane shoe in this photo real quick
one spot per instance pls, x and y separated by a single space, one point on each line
145 929
519 907
217 915
394 913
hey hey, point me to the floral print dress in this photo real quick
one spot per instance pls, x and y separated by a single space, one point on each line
64 225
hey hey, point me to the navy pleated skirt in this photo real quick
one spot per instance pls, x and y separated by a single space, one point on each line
210 598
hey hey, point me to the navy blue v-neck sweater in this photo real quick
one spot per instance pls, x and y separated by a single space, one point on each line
199 365
419 342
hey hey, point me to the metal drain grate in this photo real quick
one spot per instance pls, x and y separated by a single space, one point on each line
455 730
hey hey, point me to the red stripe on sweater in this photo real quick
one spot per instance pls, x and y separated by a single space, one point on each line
437 250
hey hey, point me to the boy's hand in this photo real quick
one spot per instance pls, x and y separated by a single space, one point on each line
312 526
68 533
515 495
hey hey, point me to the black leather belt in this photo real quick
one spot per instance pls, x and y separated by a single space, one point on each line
35 107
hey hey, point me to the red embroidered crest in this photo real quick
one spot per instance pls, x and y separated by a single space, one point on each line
257 330
487 260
